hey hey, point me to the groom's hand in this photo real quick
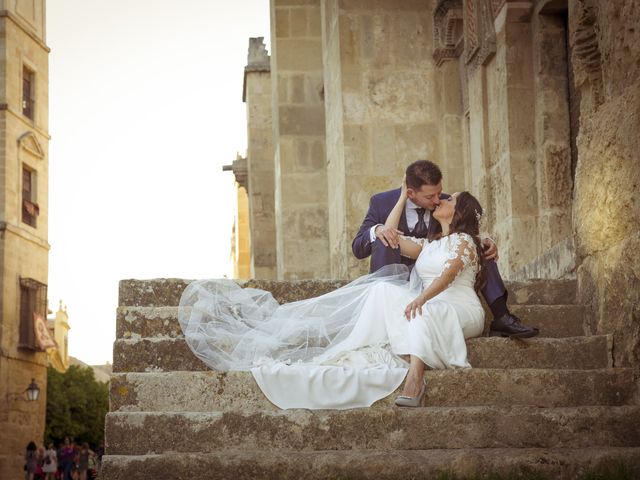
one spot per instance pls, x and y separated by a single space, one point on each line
389 236
490 249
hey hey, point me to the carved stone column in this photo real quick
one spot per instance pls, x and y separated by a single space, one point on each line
448 47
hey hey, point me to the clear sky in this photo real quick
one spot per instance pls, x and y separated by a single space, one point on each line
145 106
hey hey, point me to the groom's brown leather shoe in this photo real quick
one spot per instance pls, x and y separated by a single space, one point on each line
509 325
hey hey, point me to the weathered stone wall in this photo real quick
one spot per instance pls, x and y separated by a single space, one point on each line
23 248
606 217
299 140
552 125
260 164
519 130
382 108
533 106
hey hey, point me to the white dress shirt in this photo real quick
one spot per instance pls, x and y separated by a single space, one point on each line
410 214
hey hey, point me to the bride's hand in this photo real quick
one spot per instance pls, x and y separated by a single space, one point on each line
414 308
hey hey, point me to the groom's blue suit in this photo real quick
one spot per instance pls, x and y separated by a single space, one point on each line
380 207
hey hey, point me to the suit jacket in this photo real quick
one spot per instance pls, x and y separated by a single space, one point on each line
380 207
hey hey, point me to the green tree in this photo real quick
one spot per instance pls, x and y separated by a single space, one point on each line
76 406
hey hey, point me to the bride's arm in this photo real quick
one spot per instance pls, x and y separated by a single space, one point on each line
408 248
464 254
393 220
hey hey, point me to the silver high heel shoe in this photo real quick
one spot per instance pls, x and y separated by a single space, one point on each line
403 401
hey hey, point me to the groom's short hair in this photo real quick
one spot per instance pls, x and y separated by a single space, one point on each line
423 172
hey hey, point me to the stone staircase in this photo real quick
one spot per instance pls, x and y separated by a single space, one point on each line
553 405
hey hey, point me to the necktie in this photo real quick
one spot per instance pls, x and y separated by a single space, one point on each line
420 230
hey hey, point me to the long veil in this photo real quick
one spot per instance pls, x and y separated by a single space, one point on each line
234 328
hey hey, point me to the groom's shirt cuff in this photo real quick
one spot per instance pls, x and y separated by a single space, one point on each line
372 233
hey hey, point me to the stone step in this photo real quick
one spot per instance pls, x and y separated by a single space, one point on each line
128 433
267 464
581 353
552 320
164 292
238 391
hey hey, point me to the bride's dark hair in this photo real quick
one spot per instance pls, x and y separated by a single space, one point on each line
466 219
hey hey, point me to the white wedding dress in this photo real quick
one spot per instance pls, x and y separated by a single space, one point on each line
342 349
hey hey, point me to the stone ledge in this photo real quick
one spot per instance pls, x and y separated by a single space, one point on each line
238 391
171 354
376 429
164 292
267 464
552 320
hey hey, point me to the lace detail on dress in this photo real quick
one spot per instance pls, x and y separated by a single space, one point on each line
461 255
419 241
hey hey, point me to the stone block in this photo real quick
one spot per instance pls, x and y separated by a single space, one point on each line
282 89
418 141
383 147
555 321
356 108
237 391
351 80
298 19
314 89
166 292
362 429
169 354
306 195
557 182
314 23
348 32
525 244
301 55
296 86
398 96
282 23
357 149
301 120
267 464
296 3
411 40
391 5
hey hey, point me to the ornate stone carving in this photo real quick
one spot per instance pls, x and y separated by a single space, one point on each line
258 57
448 30
240 171
29 142
258 60
479 32
496 6
586 56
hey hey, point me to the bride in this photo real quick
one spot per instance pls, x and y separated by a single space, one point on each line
355 345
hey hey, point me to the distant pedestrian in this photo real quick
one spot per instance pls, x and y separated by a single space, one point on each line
99 454
30 461
84 456
50 463
67 459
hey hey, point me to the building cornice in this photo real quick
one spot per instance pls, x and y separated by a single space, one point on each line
22 233
24 28
6 108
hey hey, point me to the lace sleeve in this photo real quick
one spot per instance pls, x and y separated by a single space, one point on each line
462 254
420 242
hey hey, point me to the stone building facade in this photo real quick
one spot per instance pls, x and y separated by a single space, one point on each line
532 105
24 248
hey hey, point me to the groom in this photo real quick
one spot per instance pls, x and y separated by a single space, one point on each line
424 192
